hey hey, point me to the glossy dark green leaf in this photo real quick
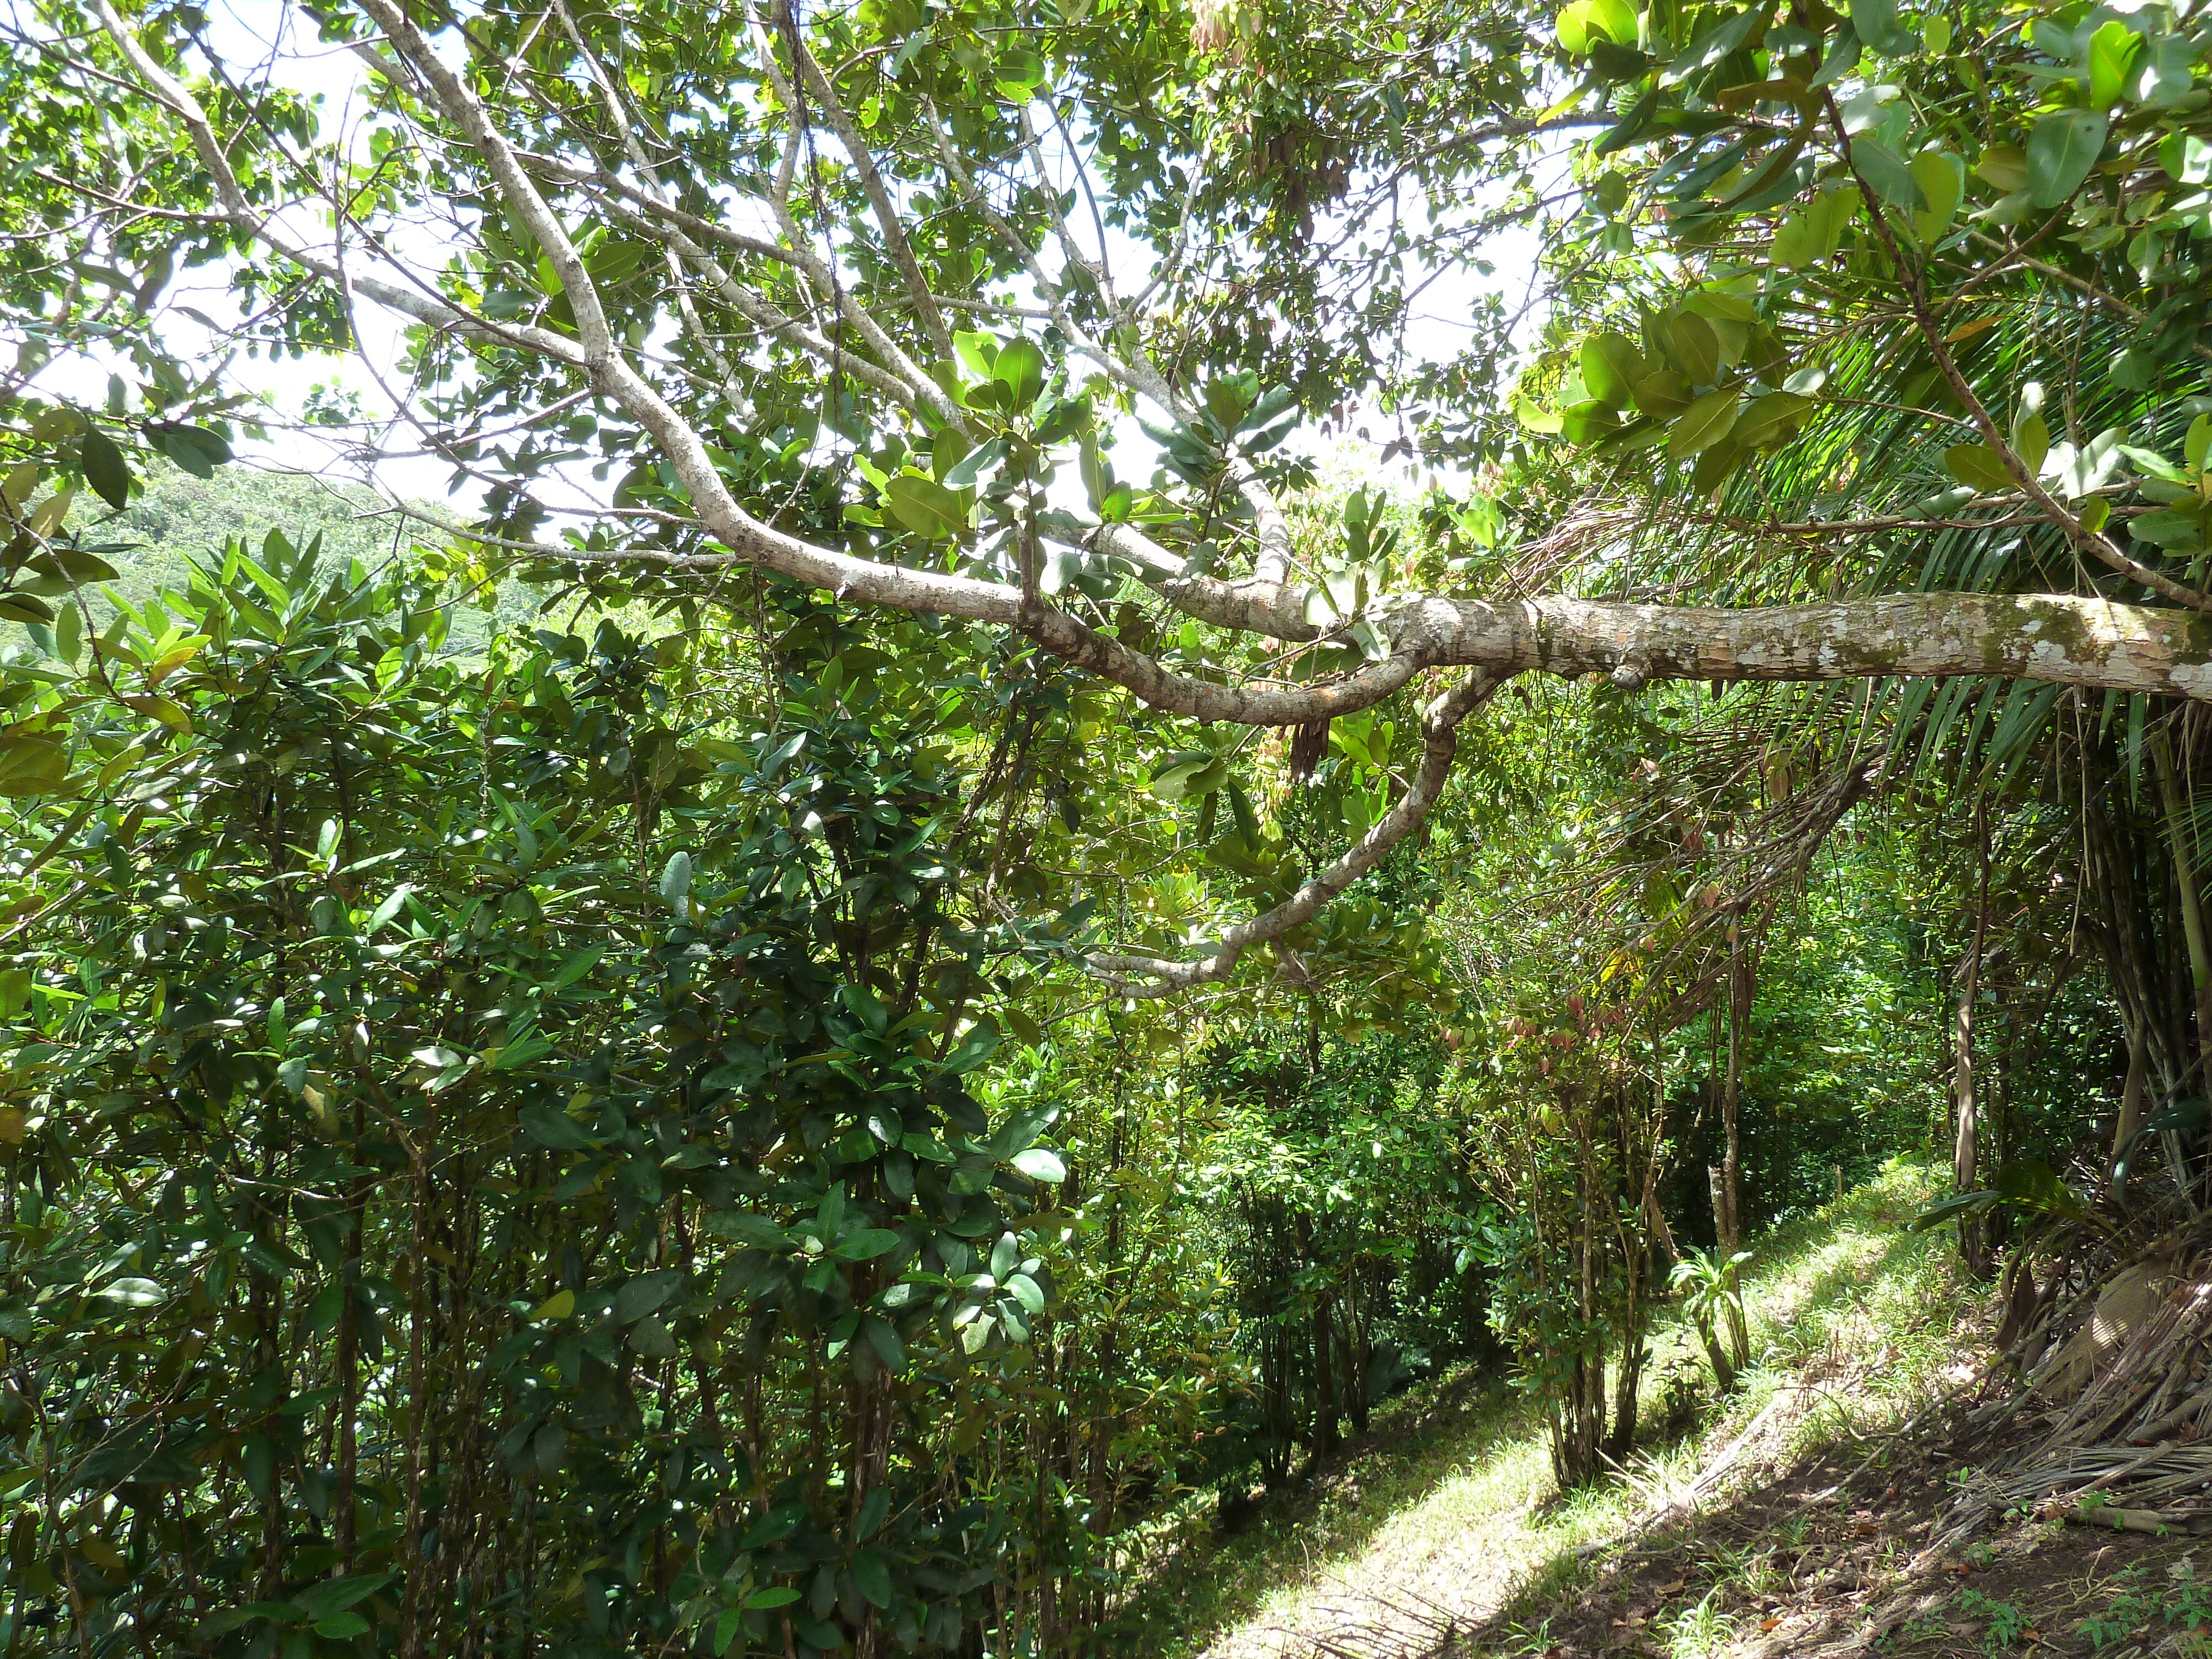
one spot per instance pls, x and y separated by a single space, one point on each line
551 1126
105 469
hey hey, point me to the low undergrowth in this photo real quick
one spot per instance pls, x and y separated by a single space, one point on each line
1444 1518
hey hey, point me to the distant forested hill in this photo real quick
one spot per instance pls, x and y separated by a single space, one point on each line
180 520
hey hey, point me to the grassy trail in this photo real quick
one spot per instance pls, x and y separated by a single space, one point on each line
1446 1512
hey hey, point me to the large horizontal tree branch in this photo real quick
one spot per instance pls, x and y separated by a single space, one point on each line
2058 638
2070 641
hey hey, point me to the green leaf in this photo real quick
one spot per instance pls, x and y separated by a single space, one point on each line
925 506
1611 367
747 1228
1588 421
25 608
185 453
133 1293
1020 369
873 1577
1173 777
866 1244
334 1595
104 468
2004 165
1019 72
1874 22
675 879
867 1006
2062 148
965 472
559 1305
1039 1165
342 1626
1886 175
1710 47
1533 415
981 1042
640 1295
519 1049
775 1596
875 1509
579 963
1691 346
882 1336
1615 20
1025 1291
1842 58
1941 177
2199 440
1977 466
389 909
1664 394
1704 424
551 1126
1958 1205
2113 50
1585 24
1770 418
2180 532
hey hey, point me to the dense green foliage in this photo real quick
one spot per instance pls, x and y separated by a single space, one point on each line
628 1125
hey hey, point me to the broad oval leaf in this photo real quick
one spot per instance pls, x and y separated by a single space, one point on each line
640 1295
1039 1165
1977 466
676 877
2113 50
559 1305
105 469
1664 393
1704 423
925 506
1886 175
1611 367
866 1244
1588 421
2061 150
1876 23
550 1126
1020 369
873 1577
1941 177
1692 347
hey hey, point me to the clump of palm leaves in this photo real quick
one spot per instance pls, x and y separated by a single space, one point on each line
1714 1301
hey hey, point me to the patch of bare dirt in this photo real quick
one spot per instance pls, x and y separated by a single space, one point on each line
1833 1557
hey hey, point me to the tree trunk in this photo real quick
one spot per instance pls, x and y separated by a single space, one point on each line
2193 902
1730 1217
344 1500
1967 1136
2131 1097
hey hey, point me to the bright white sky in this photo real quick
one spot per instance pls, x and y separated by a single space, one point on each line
249 31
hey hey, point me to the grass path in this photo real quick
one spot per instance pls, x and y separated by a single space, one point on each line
1447 1509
